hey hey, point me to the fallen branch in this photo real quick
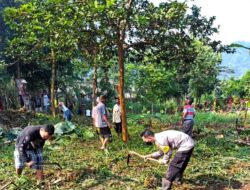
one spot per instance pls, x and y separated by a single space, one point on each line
234 158
57 181
242 142
7 184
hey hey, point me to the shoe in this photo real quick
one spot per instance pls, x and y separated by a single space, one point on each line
166 185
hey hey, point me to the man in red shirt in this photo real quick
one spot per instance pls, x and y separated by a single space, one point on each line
188 116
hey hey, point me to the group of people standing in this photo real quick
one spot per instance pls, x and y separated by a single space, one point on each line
40 102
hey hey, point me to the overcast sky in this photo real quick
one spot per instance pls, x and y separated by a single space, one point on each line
233 16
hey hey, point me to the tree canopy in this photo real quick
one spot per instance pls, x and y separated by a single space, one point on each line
158 51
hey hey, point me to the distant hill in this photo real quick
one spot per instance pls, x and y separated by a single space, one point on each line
239 61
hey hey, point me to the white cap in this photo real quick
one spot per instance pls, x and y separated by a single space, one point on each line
23 81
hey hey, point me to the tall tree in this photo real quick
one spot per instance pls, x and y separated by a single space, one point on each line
134 24
43 34
204 71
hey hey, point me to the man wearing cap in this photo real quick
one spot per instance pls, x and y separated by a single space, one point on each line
188 116
22 91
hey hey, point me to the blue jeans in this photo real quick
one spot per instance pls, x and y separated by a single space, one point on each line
67 115
188 127
47 109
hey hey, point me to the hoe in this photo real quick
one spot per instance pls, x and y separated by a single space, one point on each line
130 153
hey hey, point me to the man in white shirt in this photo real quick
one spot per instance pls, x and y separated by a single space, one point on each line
117 117
94 113
22 90
46 102
167 141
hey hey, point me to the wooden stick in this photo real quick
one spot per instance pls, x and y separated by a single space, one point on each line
242 142
7 184
141 156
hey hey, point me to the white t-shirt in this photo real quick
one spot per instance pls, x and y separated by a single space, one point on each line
169 140
116 114
64 108
46 101
88 113
175 140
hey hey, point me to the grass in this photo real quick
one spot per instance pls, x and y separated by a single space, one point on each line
217 162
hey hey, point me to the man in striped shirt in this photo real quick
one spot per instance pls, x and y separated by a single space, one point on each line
188 116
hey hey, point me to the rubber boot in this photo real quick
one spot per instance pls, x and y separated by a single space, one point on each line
178 179
166 185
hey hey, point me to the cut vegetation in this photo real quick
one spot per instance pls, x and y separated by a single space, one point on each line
219 161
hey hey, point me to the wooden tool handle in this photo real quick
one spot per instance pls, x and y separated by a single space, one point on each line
141 156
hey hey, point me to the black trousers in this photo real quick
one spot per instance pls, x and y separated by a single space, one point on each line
118 128
21 100
178 165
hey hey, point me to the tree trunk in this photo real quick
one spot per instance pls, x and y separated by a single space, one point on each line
56 87
53 78
18 72
121 91
94 91
179 102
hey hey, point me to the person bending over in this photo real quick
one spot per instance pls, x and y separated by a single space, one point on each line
29 146
167 141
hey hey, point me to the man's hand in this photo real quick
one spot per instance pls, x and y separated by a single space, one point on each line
29 164
145 157
161 161
110 125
